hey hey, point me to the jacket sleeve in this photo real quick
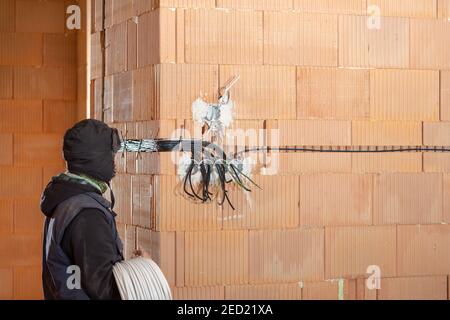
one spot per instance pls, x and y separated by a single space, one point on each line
90 244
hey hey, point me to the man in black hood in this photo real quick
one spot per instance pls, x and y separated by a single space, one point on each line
81 243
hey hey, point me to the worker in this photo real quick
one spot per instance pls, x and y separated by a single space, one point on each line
81 242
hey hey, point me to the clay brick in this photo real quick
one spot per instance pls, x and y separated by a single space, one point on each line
6 280
297 163
40 16
387 133
28 217
6 82
186 3
96 56
418 288
423 250
181 84
255 4
223 36
21 49
21 249
25 285
446 202
179 258
132 45
161 246
60 50
386 162
313 132
407 198
335 199
275 205
404 95
7 18
436 162
35 149
274 259
350 250
363 292
142 193
216 258
445 95
436 133
38 83
389 45
330 290
144 93
290 291
332 93
70 85
174 212
157 37
199 293
121 184
433 55
331 6
6 217
12 182
108 12
59 115
262 92
405 8
116 49
122 106
97 15
21 116
443 9
122 10
6 147
48 172
300 39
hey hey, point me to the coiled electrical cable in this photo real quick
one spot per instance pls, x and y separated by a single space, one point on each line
141 279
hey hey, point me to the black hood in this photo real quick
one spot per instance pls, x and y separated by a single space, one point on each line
59 190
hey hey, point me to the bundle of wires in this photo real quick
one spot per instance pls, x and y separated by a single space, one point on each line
141 279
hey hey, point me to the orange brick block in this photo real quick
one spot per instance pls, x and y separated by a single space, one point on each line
221 36
216 258
96 56
122 10
144 93
157 37
404 95
418 288
60 50
186 3
408 198
423 250
21 49
350 250
6 280
446 202
7 18
330 290
35 149
6 147
38 83
433 55
40 16
348 199
59 115
21 249
275 205
28 217
445 95
25 285
274 258
443 9
436 133
289 291
199 293
6 216
12 182
296 163
175 212
262 92
386 162
142 201
436 162
386 133
6 82
389 44
181 84
332 93
121 184
122 104
331 6
405 8
312 132
132 45
300 39
255 4
116 49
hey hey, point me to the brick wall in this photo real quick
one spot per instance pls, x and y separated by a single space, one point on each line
314 70
38 102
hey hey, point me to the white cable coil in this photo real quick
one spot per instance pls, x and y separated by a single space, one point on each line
141 279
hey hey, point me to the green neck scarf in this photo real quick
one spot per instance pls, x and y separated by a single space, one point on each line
83 178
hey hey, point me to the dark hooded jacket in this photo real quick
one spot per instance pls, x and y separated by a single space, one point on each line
88 241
